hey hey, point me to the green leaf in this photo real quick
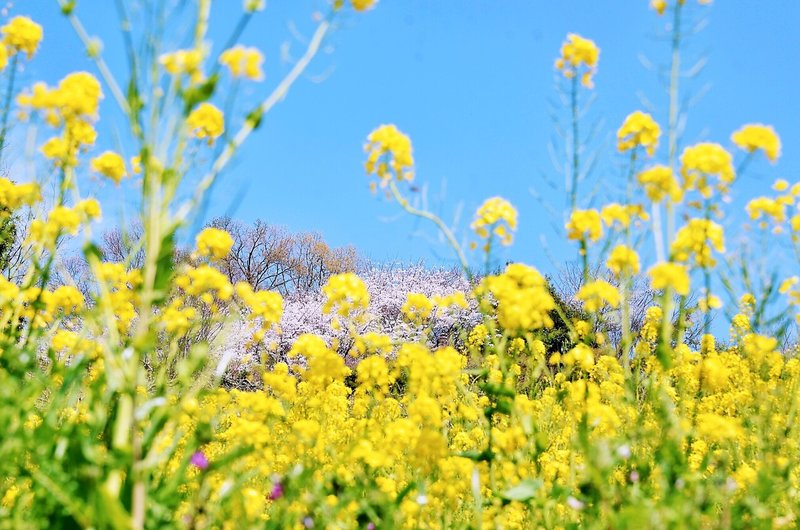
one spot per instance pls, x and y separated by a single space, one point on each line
522 492
164 265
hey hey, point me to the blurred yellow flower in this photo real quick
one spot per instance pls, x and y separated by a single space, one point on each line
755 136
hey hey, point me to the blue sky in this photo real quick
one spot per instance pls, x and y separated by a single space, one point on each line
472 83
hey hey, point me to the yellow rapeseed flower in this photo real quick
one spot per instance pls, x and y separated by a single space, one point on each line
363 5
499 216
755 136
14 196
345 293
243 62
638 129
206 121
703 160
21 34
578 56
111 165
389 151
585 224
659 183
417 308
698 238
213 242
670 275
623 260
597 294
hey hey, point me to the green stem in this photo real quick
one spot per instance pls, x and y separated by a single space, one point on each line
575 143
448 234
674 107
7 105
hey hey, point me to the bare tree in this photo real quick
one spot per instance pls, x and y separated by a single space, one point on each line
314 261
268 257
124 245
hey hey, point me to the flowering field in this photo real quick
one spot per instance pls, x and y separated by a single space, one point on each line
167 392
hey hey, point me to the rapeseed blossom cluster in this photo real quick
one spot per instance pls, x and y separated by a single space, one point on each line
345 294
243 62
704 160
111 165
697 239
21 34
389 153
754 137
206 121
585 225
120 409
638 130
496 216
579 56
659 183
214 243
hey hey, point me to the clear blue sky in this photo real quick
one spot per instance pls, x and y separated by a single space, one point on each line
472 82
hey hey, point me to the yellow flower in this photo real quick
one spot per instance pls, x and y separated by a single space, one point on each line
585 224
698 238
659 5
363 5
251 6
756 136
417 308
670 275
14 196
477 336
498 215
90 208
708 302
111 165
597 294
78 94
659 182
213 242
3 57
184 62
266 305
638 129
766 207
623 260
206 283
372 343
703 160
22 34
617 213
177 319
372 375
206 121
346 293
581 355
523 300
389 151
578 55
67 299
652 323
243 62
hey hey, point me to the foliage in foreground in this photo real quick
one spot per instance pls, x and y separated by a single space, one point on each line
111 411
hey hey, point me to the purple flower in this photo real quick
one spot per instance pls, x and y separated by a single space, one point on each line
277 492
199 460
371 526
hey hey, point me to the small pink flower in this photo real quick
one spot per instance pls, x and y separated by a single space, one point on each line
277 492
199 460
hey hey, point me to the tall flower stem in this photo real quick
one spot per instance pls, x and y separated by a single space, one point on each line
448 234
573 192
